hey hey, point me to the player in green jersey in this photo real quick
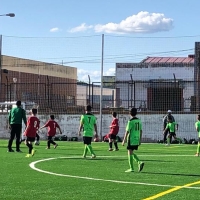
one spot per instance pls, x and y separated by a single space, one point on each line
171 127
88 123
133 135
197 126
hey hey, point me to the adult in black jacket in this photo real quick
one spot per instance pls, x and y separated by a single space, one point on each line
165 119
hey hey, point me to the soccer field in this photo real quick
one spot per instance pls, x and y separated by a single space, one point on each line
169 173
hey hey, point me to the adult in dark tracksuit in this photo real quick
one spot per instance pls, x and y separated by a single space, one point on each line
165 133
15 118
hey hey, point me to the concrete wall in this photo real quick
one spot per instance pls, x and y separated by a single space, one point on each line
152 125
145 74
40 68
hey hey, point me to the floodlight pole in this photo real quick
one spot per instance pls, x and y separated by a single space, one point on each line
0 60
101 92
15 88
7 15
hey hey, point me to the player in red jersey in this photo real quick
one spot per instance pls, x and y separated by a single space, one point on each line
51 125
114 129
32 127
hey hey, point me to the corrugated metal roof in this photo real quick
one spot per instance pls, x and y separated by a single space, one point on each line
162 60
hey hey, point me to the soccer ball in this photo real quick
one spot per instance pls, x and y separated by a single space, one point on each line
37 143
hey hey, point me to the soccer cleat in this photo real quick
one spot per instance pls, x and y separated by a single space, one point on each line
197 154
116 150
129 170
110 149
19 151
93 156
167 144
84 156
55 146
48 148
33 152
28 155
10 150
140 166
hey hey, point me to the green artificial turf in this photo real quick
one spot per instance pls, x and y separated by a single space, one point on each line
69 176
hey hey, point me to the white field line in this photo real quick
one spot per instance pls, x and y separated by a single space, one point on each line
32 165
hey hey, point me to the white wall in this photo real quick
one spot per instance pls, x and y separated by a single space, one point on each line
144 74
152 125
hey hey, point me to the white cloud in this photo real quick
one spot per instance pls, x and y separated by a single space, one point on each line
95 76
143 22
109 72
81 28
54 29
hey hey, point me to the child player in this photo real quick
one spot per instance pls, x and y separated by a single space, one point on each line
51 125
33 124
114 129
88 123
133 135
197 126
172 127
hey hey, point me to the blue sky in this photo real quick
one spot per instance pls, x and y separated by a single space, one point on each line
70 32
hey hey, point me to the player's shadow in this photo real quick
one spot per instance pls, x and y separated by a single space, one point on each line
157 161
172 174
93 159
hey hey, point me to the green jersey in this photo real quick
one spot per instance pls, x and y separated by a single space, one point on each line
16 115
171 126
134 127
197 125
88 120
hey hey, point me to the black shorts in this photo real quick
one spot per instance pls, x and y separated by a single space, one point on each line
132 147
172 134
87 140
49 137
112 136
30 139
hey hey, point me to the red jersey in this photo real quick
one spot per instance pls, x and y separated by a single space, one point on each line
33 125
115 127
52 125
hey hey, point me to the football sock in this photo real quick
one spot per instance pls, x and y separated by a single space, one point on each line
198 147
85 151
168 140
130 160
110 145
136 158
90 149
30 146
116 146
48 144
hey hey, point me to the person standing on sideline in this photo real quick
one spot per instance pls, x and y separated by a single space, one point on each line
171 128
33 125
197 126
16 115
114 129
52 125
88 123
133 135
165 121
